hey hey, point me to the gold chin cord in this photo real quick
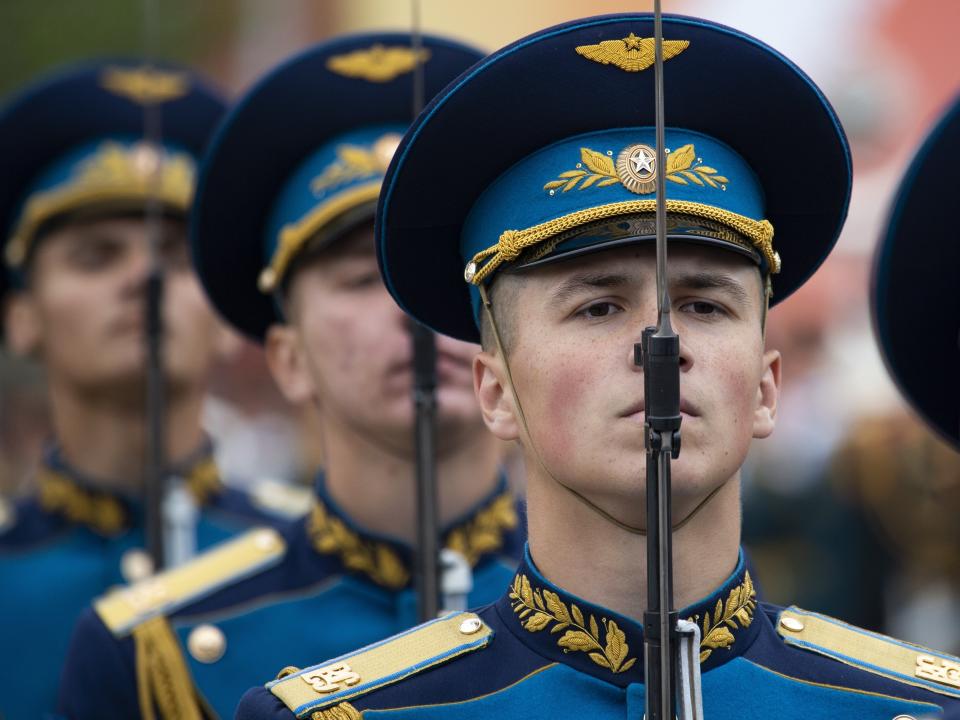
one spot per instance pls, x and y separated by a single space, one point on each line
488 310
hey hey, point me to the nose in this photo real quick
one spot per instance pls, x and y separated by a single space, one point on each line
636 360
136 266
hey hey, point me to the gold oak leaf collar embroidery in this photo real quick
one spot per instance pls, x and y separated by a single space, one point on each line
386 564
605 642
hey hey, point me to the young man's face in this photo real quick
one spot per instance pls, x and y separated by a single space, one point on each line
83 311
355 352
571 354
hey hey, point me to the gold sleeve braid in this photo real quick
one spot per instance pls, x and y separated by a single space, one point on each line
164 684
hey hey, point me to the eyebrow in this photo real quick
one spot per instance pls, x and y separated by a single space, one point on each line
713 281
586 281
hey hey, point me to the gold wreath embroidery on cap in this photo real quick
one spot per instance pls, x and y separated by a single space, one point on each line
356 161
636 169
631 54
378 63
145 85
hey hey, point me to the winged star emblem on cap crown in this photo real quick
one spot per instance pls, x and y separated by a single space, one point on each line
632 53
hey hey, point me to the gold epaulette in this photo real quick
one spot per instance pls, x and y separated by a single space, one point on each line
875 653
123 609
311 690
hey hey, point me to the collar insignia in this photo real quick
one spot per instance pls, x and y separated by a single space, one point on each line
378 63
614 644
144 85
62 492
632 54
386 563
539 609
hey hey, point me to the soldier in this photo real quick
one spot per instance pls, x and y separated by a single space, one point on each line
913 303
531 178
283 239
75 181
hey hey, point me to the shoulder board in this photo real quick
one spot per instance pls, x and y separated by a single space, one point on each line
349 676
283 499
123 609
875 653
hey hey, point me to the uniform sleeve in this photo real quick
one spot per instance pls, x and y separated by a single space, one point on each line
98 678
260 704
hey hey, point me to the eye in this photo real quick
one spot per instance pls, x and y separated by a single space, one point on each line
599 310
93 254
363 280
703 308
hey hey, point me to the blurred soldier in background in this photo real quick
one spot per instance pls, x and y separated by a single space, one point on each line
75 179
905 482
283 241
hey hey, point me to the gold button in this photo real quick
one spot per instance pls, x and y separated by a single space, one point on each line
265 540
136 565
791 624
470 626
206 643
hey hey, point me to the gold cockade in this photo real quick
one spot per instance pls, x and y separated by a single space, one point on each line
736 612
378 63
145 85
114 173
683 168
631 54
355 162
537 609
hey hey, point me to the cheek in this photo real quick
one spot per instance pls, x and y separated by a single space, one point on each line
74 313
565 382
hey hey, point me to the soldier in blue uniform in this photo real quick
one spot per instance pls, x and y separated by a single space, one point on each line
75 179
921 346
283 240
532 179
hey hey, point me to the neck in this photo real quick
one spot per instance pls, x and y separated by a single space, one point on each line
105 438
376 485
607 565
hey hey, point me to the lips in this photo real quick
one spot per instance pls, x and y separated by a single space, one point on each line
636 410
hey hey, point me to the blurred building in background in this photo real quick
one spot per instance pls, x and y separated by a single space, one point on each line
851 506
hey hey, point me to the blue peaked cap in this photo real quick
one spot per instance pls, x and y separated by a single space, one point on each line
525 158
75 140
914 298
301 158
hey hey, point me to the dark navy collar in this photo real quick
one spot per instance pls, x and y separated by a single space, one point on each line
569 630
65 491
482 532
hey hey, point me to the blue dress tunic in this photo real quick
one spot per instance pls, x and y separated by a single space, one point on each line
67 544
332 586
540 652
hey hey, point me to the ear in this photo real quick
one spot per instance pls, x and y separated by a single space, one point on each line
23 326
288 364
495 397
768 395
